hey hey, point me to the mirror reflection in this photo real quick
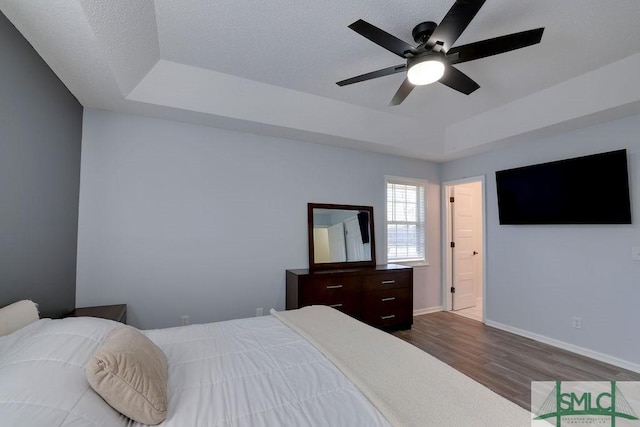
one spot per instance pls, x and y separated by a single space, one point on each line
341 235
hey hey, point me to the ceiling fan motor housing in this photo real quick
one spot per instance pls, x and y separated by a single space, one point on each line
423 31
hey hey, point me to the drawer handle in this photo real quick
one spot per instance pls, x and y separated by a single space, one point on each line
388 282
335 305
334 286
388 299
388 317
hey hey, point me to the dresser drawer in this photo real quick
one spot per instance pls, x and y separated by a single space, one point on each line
388 280
388 318
388 307
323 286
348 302
391 299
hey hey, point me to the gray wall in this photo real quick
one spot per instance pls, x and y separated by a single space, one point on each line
539 276
183 219
40 139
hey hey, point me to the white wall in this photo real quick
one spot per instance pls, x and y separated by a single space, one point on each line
184 219
539 277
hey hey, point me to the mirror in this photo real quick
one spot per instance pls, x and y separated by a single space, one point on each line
340 236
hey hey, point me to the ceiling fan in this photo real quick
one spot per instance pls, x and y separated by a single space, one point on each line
432 60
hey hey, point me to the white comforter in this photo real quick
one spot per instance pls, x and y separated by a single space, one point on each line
249 372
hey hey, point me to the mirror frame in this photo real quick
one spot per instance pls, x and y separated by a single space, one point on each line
346 264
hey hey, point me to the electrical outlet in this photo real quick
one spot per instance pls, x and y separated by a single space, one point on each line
184 320
259 312
635 253
577 322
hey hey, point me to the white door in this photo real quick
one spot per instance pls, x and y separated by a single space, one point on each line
337 252
355 247
464 239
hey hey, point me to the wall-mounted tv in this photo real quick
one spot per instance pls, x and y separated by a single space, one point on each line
584 190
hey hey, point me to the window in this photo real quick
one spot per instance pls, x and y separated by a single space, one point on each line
405 220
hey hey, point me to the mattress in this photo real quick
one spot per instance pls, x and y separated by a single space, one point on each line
247 372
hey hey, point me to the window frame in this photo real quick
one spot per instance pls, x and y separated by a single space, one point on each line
388 179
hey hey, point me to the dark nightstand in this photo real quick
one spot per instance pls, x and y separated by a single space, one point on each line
117 312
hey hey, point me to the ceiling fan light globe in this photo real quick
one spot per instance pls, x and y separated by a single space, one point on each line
425 72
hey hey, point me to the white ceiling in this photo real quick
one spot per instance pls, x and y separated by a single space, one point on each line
271 67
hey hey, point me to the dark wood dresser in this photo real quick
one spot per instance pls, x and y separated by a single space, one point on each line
381 296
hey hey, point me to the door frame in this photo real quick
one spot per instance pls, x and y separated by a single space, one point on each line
446 239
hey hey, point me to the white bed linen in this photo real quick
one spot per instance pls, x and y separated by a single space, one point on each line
409 386
42 380
248 372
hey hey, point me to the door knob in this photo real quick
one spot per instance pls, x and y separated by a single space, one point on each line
475 253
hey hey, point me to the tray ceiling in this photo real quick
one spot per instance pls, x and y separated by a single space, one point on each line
271 67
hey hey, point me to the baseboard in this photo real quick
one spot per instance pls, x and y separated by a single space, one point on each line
566 346
427 310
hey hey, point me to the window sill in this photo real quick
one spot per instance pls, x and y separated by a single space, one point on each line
411 263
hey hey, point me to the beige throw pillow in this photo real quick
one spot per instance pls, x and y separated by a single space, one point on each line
17 315
130 373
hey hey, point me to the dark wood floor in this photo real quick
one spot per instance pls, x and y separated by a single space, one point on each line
504 362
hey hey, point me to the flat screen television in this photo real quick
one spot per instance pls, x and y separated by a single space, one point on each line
584 190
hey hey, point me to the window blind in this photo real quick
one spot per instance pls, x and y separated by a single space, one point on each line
405 222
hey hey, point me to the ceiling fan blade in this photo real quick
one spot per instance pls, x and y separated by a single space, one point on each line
373 75
403 91
495 46
454 23
382 38
458 80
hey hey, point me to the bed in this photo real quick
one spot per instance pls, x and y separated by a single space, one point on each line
309 367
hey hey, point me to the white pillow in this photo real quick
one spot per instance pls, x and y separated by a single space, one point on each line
17 315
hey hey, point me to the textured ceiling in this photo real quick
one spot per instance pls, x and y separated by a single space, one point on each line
271 67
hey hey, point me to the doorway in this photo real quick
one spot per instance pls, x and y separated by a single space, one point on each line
464 248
